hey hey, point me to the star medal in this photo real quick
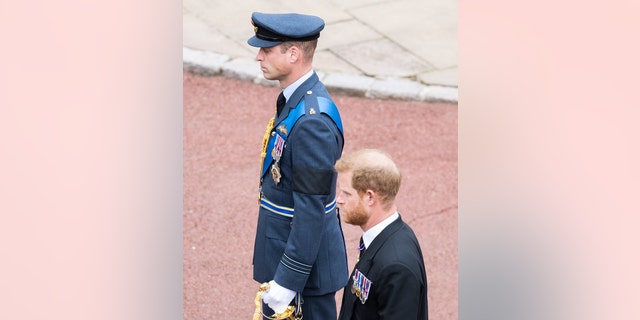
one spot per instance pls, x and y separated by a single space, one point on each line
275 173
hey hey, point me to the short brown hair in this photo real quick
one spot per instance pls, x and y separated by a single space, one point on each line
308 47
372 170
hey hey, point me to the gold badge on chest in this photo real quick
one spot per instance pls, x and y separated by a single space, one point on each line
282 129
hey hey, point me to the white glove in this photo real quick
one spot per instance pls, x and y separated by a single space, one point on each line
278 297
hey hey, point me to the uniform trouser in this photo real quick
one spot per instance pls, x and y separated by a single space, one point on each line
314 307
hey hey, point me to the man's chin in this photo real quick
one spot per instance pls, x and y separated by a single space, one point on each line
266 74
357 221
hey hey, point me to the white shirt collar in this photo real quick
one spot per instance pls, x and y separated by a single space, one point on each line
288 91
372 233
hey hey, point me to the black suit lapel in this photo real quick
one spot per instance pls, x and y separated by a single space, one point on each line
377 243
364 265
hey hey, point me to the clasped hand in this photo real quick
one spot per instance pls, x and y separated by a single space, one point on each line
278 297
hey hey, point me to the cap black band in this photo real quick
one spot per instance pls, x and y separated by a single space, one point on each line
264 34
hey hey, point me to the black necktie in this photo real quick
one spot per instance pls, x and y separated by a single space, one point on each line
280 104
361 248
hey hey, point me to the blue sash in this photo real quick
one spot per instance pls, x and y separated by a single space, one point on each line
325 106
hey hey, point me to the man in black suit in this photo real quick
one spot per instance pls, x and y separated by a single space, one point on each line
389 280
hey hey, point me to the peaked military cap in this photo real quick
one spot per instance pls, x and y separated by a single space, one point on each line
274 28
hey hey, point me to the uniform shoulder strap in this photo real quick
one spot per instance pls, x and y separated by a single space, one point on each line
317 104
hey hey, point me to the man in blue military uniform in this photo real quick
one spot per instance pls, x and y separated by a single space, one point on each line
299 246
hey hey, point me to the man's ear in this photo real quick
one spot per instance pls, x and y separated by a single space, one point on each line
294 54
371 197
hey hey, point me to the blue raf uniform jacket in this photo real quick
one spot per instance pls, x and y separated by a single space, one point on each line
299 241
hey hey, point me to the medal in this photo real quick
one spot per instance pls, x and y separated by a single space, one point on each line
276 153
278 147
361 286
275 173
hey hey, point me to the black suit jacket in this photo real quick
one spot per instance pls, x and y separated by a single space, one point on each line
394 265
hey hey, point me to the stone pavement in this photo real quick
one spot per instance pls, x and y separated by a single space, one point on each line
405 49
